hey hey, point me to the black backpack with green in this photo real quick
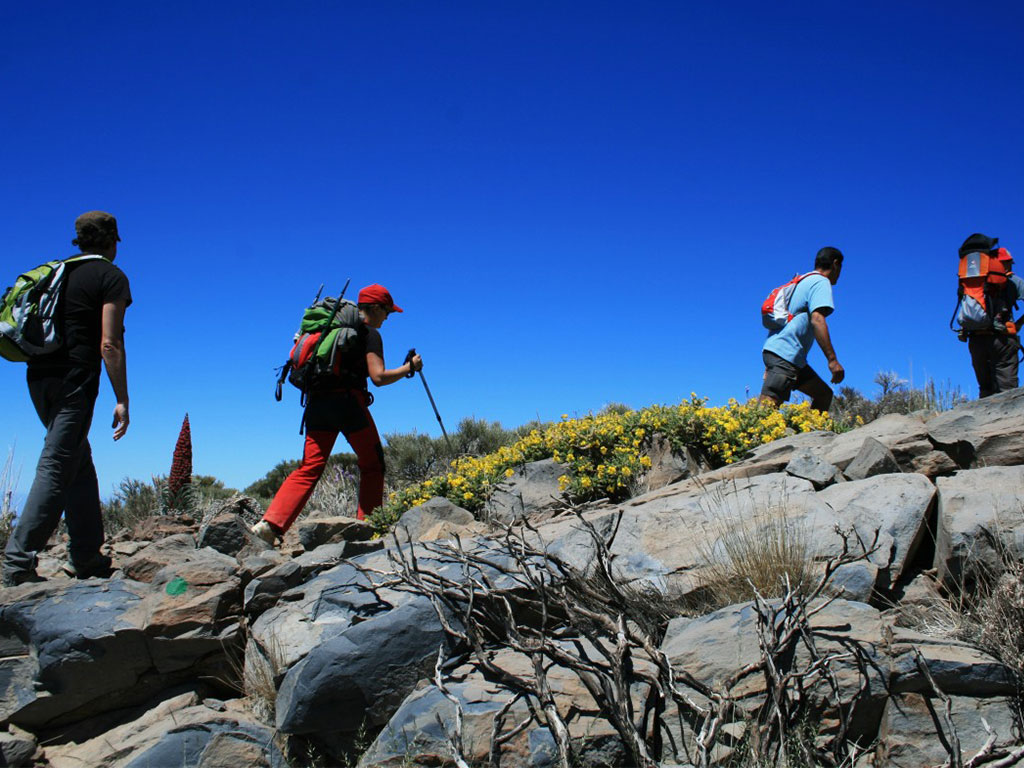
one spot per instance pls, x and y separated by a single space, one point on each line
329 331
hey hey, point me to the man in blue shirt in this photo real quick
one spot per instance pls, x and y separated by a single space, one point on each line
785 351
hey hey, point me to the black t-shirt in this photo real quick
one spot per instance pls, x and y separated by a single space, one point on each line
352 366
88 286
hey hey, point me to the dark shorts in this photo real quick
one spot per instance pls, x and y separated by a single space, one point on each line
781 377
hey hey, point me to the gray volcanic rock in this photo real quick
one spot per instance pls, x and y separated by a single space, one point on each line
532 489
226 532
179 732
348 650
414 736
17 748
436 518
873 458
77 649
956 667
713 647
983 433
669 466
897 505
808 466
315 532
907 736
979 514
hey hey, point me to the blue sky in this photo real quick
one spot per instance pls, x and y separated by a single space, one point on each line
576 203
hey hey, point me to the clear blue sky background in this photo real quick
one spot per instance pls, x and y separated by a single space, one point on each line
576 203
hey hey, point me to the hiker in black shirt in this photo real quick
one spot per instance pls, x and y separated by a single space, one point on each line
343 407
63 387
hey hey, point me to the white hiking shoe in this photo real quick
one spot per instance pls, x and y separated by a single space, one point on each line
265 532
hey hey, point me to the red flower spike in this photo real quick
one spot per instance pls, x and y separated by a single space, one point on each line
181 465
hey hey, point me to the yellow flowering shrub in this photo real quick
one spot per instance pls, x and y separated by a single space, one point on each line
604 454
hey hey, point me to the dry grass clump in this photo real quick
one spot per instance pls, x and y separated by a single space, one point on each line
769 553
1001 618
259 678
8 482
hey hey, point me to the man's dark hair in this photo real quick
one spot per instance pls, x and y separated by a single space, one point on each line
96 230
827 257
94 241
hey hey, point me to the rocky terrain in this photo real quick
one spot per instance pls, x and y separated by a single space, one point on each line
208 648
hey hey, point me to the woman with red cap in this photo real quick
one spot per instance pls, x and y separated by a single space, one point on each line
343 408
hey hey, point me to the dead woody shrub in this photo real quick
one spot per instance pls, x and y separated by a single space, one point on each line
518 596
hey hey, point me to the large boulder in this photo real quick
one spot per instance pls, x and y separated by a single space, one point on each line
74 649
437 518
674 539
532 489
349 645
983 433
178 732
712 648
979 519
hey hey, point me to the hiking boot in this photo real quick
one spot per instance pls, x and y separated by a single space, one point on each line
17 578
98 565
265 531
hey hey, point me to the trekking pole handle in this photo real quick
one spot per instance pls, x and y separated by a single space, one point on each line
408 359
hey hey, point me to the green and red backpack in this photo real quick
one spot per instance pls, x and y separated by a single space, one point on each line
329 329
30 324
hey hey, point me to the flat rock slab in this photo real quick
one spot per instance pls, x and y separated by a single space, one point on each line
315 532
987 432
182 731
78 649
980 512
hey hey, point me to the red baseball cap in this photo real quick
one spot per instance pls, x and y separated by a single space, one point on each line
378 294
1003 254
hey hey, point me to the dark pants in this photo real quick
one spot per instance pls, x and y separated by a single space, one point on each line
781 377
994 358
65 480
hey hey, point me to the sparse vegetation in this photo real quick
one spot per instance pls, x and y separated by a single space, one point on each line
767 554
851 408
8 484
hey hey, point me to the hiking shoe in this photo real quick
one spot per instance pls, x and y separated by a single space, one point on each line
265 531
98 565
17 578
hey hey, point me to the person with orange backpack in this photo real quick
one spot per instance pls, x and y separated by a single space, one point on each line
339 403
795 314
988 292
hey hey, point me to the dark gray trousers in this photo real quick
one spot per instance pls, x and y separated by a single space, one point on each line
994 358
65 480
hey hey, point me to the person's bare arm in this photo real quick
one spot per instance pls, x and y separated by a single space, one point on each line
112 351
381 377
820 326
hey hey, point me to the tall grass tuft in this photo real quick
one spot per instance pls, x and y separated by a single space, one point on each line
8 484
766 551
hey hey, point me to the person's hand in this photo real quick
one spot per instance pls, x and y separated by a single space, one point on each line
120 424
838 372
416 363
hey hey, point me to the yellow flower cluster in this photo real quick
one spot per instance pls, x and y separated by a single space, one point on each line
604 454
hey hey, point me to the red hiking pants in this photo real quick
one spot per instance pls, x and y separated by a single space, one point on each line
298 487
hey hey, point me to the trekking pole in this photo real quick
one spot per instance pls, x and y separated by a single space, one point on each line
411 374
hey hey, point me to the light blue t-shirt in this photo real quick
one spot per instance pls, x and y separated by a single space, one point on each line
794 341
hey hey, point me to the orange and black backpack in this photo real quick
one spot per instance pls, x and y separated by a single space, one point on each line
984 299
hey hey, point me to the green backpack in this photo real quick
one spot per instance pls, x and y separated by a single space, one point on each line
328 330
30 311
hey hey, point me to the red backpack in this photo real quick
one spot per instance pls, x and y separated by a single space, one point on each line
775 309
